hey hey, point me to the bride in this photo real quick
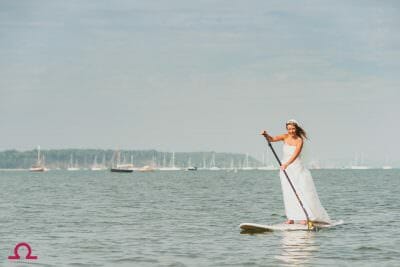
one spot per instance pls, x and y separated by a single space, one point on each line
300 177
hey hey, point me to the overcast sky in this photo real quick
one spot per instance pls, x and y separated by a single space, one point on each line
201 75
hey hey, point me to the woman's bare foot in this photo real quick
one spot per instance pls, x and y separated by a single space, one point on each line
289 222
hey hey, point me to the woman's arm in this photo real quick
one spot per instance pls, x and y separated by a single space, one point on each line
273 138
296 153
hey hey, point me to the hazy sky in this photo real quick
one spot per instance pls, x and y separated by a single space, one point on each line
201 75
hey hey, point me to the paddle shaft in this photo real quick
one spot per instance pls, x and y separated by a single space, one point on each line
290 182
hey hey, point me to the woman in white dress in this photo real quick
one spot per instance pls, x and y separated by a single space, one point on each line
300 177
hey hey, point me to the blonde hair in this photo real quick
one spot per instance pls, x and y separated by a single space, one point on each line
299 131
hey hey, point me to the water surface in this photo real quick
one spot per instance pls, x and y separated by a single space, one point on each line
89 218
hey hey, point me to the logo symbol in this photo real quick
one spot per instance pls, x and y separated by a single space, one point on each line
27 257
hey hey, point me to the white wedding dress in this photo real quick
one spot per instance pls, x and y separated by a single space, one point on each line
303 183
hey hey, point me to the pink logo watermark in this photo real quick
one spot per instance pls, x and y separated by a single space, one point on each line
27 257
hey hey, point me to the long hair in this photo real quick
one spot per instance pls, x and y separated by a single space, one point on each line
299 131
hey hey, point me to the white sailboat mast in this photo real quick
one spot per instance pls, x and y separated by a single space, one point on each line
173 160
38 155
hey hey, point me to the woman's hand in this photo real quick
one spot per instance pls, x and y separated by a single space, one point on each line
284 166
265 134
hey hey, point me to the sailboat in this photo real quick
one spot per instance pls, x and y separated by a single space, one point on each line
118 167
72 166
146 168
204 163
387 166
172 166
246 164
39 165
190 166
164 162
358 166
266 166
96 166
213 167
232 166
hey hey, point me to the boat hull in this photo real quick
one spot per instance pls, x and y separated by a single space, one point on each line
39 169
120 170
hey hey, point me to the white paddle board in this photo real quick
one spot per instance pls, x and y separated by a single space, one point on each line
255 227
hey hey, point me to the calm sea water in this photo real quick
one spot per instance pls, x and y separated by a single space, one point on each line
88 218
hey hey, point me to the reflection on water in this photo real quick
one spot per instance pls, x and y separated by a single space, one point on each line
297 247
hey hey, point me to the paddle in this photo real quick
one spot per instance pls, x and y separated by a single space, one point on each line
309 223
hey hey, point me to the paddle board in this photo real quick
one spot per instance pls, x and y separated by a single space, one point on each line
259 228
